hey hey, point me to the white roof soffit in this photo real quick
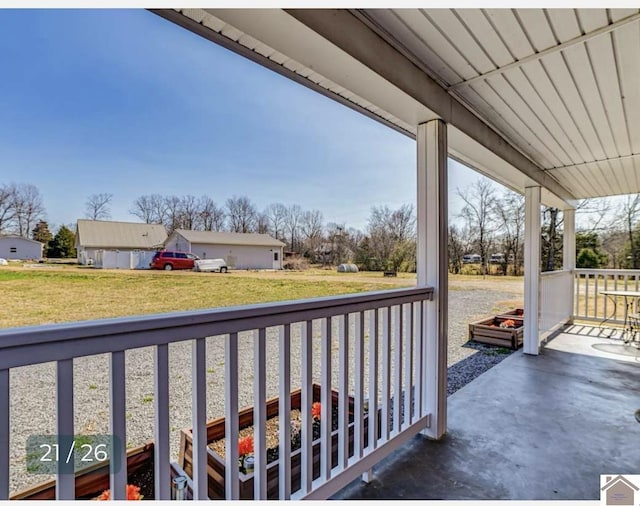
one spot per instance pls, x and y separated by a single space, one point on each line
337 54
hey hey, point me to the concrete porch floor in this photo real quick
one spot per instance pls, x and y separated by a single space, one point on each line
530 428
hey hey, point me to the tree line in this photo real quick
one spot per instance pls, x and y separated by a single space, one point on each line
490 224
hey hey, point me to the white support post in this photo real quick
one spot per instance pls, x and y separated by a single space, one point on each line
531 269
432 266
569 249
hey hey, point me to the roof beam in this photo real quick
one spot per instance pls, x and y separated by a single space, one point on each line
553 49
351 35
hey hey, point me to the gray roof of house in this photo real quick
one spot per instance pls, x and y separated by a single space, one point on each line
15 236
234 238
119 234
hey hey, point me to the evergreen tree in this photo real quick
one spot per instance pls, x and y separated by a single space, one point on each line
41 233
63 244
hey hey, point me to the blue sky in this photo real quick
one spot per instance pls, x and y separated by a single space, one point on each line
124 102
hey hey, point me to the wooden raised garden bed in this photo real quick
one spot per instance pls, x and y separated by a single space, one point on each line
514 313
216 464
488 331
93 480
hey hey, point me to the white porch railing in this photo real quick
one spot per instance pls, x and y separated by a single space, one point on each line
590 304
379 338
556 308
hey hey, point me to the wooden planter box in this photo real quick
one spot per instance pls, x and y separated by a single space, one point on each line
488 331
216 465
93 480
514 314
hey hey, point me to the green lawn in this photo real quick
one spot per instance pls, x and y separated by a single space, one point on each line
57 294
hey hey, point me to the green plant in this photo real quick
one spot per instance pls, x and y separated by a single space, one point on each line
147 399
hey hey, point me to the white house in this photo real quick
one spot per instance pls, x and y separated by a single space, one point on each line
240 251
117 244
16 247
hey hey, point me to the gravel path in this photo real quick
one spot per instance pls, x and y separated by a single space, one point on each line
33 388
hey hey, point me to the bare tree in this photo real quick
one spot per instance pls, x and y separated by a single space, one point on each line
189 212
276 214
172 216
211 216
628 214
389 232
262 223
292 225
29 208
311 228
456 247
478 214
242 214
7 207
509 210
149 208
98 207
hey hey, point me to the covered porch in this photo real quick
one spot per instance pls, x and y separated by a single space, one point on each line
531 428
385 353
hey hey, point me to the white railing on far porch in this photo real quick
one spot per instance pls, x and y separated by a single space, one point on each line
591 304
556 288
377 338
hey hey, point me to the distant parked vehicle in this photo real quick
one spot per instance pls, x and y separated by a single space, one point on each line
170 260
497 258
211 265
471 259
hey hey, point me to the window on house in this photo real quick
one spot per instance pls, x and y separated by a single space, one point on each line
13 250
275 256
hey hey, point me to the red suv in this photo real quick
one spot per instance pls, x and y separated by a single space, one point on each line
169 260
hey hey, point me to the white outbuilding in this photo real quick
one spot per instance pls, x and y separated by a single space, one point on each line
239 251
118 244
16 247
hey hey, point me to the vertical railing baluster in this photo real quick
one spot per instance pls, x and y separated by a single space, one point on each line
417 326
595 296
408 378
606 298
615 287
343 391
260 415
586 295
162 453
397 384
306 478
118 428
5 448
284 413
358 405
386 373
326 400
373 379
65 480
199 417
231 426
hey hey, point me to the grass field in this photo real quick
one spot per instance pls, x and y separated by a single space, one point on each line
54 294
42 295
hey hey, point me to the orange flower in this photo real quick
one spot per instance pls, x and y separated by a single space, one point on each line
133 494
245 446
508 324
316 409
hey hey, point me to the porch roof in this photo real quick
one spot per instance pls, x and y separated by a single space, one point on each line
546 97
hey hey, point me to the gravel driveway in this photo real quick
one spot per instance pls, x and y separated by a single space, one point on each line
33 387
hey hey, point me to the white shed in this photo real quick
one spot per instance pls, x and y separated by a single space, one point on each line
118 244
240 251
16 247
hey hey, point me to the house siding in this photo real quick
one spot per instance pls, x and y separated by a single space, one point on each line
19 248
236 257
